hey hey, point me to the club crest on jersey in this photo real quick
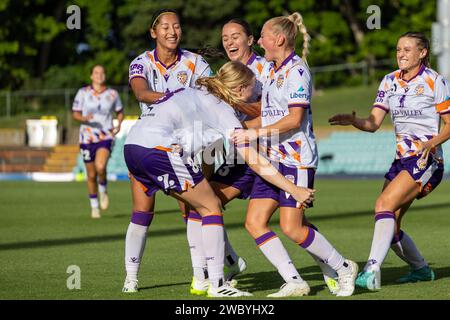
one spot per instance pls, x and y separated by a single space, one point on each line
182 77
280 81
419 90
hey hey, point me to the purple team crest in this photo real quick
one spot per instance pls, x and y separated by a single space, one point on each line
280 81
182 77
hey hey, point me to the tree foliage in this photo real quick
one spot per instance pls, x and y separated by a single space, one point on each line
38 51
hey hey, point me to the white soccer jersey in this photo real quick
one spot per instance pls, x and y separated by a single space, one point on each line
161 78
259 66
290 86
415 107
101 106
186 110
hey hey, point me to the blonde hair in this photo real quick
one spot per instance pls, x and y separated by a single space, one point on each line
230 76
290 26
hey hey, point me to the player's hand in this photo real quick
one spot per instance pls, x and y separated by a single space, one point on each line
241 136
343 119
115 130
304 196
89 117
424 149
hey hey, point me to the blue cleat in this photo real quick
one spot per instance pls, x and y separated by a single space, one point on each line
369 280
422 274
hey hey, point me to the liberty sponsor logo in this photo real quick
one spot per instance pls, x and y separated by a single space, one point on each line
299 94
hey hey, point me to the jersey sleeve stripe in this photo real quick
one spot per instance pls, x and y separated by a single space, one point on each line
138 76
382 107
299 105
443 106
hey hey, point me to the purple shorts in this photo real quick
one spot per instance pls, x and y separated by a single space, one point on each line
428 177
162 170
89 150
300 177
238 176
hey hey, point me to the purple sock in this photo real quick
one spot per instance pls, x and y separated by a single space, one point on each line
142 218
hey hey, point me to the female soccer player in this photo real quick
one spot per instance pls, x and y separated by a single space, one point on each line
157 161
154 73
417 98
94 106
231 180
286 119
237 40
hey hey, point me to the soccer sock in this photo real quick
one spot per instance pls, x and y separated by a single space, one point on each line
326 269
382 237
102 186
94 200
213 246
316 244
135 242
194 236
271 246
405 248
230 256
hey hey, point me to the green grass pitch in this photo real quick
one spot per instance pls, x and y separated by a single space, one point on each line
46 227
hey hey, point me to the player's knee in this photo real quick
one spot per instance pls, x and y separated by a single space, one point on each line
101 168
293 232
253 226
382 204
92 176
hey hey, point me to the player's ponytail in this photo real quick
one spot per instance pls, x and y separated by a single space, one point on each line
290 26
230 76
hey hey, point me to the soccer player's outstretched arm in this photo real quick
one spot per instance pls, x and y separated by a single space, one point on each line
370 124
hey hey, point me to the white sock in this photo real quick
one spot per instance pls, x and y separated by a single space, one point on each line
326 269
94 200
405 248
135 242
316 244
214 247
273 249
102 188
230 255
382 238
195 240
